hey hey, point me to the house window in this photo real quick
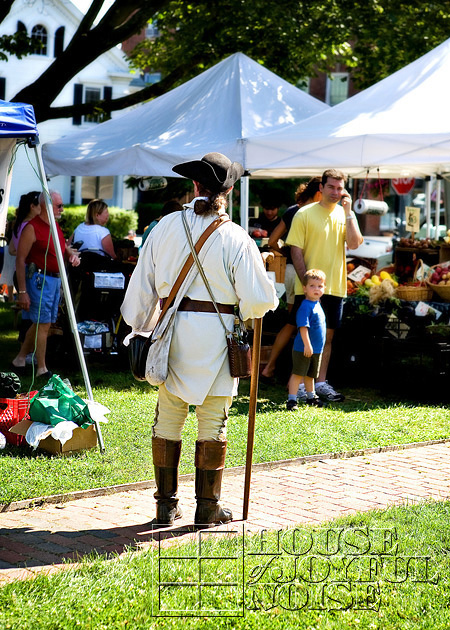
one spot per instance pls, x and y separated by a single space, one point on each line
39 33
151 31
337 88
97 188
303 84
82 94
152 77
92 95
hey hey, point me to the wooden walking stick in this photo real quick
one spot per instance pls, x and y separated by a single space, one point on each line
256 351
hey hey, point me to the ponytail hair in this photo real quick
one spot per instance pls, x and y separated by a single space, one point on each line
31 198
305 192
213 204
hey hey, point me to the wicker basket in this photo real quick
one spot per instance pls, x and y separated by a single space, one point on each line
443 290
415 294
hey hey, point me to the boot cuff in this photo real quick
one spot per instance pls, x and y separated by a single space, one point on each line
166 453
210 455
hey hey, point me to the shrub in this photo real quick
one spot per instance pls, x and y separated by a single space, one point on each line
119 224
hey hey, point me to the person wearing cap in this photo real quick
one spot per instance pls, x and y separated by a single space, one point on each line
198 362
269 219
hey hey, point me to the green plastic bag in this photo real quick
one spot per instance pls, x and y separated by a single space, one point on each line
57 402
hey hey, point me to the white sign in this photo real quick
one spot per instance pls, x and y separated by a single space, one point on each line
412 219
359 273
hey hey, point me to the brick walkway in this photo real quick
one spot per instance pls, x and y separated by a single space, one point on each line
39 539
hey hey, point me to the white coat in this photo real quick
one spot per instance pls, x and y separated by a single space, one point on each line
198 361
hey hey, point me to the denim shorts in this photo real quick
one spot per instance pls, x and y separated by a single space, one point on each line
50 290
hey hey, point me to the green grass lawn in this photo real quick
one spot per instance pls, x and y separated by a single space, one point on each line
368 418
386 585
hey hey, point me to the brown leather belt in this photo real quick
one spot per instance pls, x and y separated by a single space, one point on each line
200 306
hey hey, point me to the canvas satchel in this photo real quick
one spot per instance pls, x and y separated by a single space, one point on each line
149 355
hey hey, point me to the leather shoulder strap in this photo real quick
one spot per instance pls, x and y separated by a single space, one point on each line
189 261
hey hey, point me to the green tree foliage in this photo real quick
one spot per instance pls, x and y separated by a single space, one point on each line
18 44
294 38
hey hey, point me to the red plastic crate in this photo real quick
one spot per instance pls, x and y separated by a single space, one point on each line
16 410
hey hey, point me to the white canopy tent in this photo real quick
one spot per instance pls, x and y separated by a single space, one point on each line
400 126
219 110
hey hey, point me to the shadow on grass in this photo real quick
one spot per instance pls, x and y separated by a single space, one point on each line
44 548
273 398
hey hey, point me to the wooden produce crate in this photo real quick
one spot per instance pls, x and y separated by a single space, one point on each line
278 265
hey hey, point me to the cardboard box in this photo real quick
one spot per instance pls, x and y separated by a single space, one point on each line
81 439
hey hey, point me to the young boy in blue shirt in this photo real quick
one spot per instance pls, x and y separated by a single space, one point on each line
309 341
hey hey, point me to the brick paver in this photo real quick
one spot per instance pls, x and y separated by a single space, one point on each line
42 538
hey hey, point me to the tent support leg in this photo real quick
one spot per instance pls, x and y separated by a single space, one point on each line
244 202
65 287
428 205
437 218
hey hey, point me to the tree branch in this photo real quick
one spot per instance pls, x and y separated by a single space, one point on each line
5 8
146 94
124 19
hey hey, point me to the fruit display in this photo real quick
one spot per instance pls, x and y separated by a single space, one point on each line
414 243
258 233
377 280
440 276
356 274
447 237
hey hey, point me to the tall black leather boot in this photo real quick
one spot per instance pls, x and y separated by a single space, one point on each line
166 457
209 465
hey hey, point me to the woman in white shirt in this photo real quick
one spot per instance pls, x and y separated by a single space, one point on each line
93 234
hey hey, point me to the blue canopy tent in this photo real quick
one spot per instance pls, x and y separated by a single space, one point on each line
18 126
17 122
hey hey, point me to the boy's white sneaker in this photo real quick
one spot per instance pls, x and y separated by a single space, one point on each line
326 392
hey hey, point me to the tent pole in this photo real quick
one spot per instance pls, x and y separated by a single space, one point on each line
65 286
244 202
437 218
428 205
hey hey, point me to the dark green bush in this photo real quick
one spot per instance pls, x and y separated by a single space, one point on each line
120 221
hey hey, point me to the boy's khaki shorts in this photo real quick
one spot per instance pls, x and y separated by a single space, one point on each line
305 366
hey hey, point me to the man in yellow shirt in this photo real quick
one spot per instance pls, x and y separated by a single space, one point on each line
317 239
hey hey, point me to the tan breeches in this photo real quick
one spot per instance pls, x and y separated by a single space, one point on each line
171 413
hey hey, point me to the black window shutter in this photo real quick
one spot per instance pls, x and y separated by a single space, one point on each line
59 41
77 100
2 88
107 96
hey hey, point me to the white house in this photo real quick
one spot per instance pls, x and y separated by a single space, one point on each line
54 22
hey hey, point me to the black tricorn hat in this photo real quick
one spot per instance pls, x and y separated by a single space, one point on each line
214 171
